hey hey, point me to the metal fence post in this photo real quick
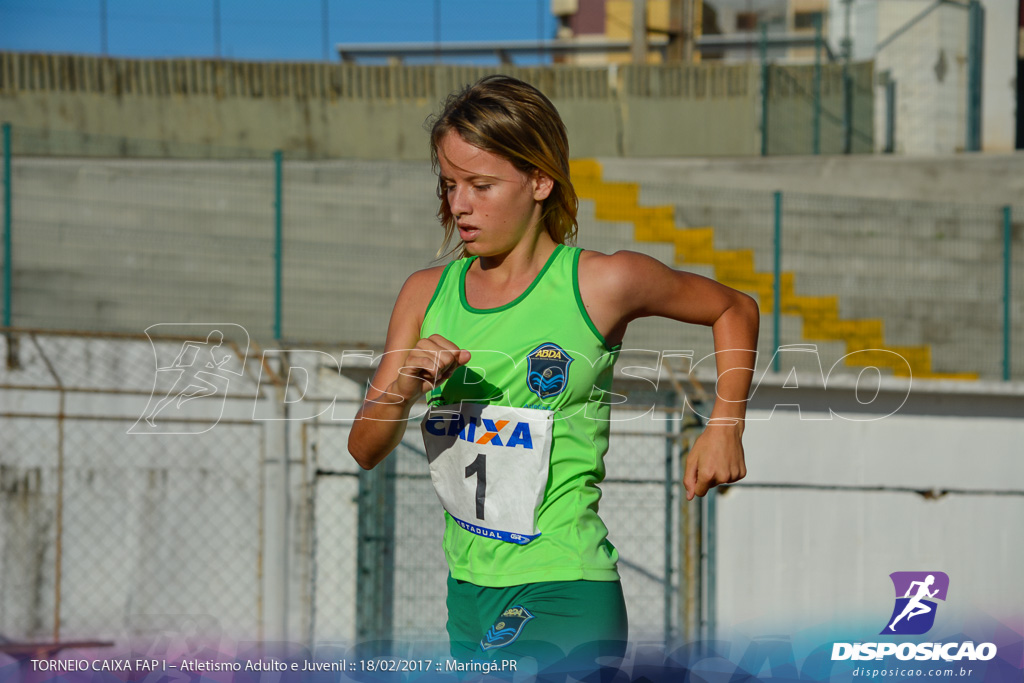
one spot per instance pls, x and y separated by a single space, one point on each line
847 81
274 502
710 564
8 261
975 61
669 481
764 90
1007 263
375 558
777 281
693 590
278 240
816 130
890 114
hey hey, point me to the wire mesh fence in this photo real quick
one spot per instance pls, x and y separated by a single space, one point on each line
240 510
102 527
930 277
317 251
934 281
826 112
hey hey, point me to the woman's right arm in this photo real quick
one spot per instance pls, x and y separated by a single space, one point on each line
408 369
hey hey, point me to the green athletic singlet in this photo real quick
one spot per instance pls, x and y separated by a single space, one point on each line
520 486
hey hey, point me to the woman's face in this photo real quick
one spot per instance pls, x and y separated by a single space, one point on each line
495 204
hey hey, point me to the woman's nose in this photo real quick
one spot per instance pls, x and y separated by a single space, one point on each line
458 202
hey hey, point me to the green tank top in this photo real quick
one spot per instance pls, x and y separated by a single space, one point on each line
539 351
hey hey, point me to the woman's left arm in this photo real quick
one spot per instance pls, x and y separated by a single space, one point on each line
624 286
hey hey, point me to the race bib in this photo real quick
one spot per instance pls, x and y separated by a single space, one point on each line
489 465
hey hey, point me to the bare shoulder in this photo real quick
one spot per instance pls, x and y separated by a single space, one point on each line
611 287
629 285
419 288
613 276
620 260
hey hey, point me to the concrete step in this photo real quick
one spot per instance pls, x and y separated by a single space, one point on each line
136 242
825 231
963 293
84 300
985 178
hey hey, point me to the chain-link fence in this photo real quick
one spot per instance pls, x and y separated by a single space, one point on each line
828 110
938 283
105 529
198 478
317 251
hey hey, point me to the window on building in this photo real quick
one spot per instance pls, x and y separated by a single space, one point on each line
746 21
805 20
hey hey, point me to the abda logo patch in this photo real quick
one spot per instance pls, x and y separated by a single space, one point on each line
507 628
916 595
547 370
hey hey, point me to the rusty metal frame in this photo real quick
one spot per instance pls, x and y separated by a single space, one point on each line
14 335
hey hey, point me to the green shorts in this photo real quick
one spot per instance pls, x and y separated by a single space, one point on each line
549 621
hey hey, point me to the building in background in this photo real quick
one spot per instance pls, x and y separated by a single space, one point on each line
671 28
674 28
1020 76
921 49
922 54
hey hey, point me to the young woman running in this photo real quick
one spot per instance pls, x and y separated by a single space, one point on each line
513 344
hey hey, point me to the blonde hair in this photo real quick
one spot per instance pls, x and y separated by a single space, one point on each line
515 121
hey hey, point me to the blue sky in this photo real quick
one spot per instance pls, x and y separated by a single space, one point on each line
259 29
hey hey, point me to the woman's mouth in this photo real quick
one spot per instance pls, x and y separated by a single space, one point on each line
468 232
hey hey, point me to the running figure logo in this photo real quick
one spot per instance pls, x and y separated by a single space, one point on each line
199 374
916 593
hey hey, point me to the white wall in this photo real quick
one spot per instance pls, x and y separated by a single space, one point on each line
931 116
998 107
792 558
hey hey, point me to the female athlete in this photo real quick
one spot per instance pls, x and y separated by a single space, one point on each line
512 344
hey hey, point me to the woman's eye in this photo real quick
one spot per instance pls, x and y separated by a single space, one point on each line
482 187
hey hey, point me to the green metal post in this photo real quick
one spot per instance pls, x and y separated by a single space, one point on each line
764 90
8 260
816 140
670 442
278 241
375 558
710 522
847 82
890 114
975 63
777 285
1007 262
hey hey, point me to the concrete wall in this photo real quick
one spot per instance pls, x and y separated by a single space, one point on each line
833 504
123 244
791 110
69 105
868 230
203 533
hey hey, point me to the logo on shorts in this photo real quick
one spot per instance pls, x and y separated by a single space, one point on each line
547 370
916 592
507 628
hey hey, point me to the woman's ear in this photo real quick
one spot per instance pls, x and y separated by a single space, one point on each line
543 184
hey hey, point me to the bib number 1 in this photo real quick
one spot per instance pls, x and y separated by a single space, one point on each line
489 467
479 468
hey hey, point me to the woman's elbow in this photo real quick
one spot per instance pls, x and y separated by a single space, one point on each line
745 319
363 462
360 454
751 309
